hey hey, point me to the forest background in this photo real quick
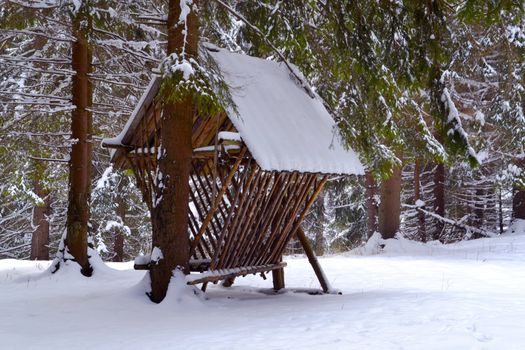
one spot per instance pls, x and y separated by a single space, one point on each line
431 94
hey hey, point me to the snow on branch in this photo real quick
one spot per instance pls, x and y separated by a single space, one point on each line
455 223
293 71
454 120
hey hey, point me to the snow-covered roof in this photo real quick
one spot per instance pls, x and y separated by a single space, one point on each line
284 128
140 109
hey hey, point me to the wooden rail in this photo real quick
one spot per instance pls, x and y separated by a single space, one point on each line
218 275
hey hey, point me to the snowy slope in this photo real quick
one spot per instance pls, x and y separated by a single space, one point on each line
463 296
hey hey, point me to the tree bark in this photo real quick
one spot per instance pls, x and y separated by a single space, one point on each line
421 225
40 236
170 214
76 241
371 203
118 245
318 225
518 204
518 196
390 206
439 200
500 211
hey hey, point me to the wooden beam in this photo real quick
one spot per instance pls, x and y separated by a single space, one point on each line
278 279
313 259
196 265
217 275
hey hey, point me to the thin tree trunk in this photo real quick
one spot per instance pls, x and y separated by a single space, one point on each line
518 196
371 203
439 199
118 246
40 237
76 241
518 204
421 225
390 206
500 211
170 215
318 225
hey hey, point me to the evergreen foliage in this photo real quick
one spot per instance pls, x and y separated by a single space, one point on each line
441 81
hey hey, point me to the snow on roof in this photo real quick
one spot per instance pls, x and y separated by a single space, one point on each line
138 112
283 127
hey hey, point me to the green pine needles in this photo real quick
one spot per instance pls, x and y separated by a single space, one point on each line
183 77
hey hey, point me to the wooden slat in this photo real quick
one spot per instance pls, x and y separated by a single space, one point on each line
211 212
277 249
273 202
231 215
241 271
240 216
246 231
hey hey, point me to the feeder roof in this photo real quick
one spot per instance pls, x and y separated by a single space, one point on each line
283 123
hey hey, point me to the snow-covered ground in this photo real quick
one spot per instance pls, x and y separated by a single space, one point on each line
469 295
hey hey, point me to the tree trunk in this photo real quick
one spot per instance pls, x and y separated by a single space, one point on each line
76 241
518 196
421 225
371 203
118 246
500 211
170 215
518 204
390 206
318 225
439 200
40 237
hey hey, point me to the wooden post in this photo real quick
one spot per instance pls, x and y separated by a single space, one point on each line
278 278
312 259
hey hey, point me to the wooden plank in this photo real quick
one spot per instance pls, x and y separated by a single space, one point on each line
196 265
231 273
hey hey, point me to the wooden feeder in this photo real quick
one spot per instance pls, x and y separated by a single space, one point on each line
256 170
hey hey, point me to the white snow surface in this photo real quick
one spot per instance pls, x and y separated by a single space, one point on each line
467 295
284 128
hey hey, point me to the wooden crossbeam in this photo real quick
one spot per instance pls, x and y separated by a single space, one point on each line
218 275
196 265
